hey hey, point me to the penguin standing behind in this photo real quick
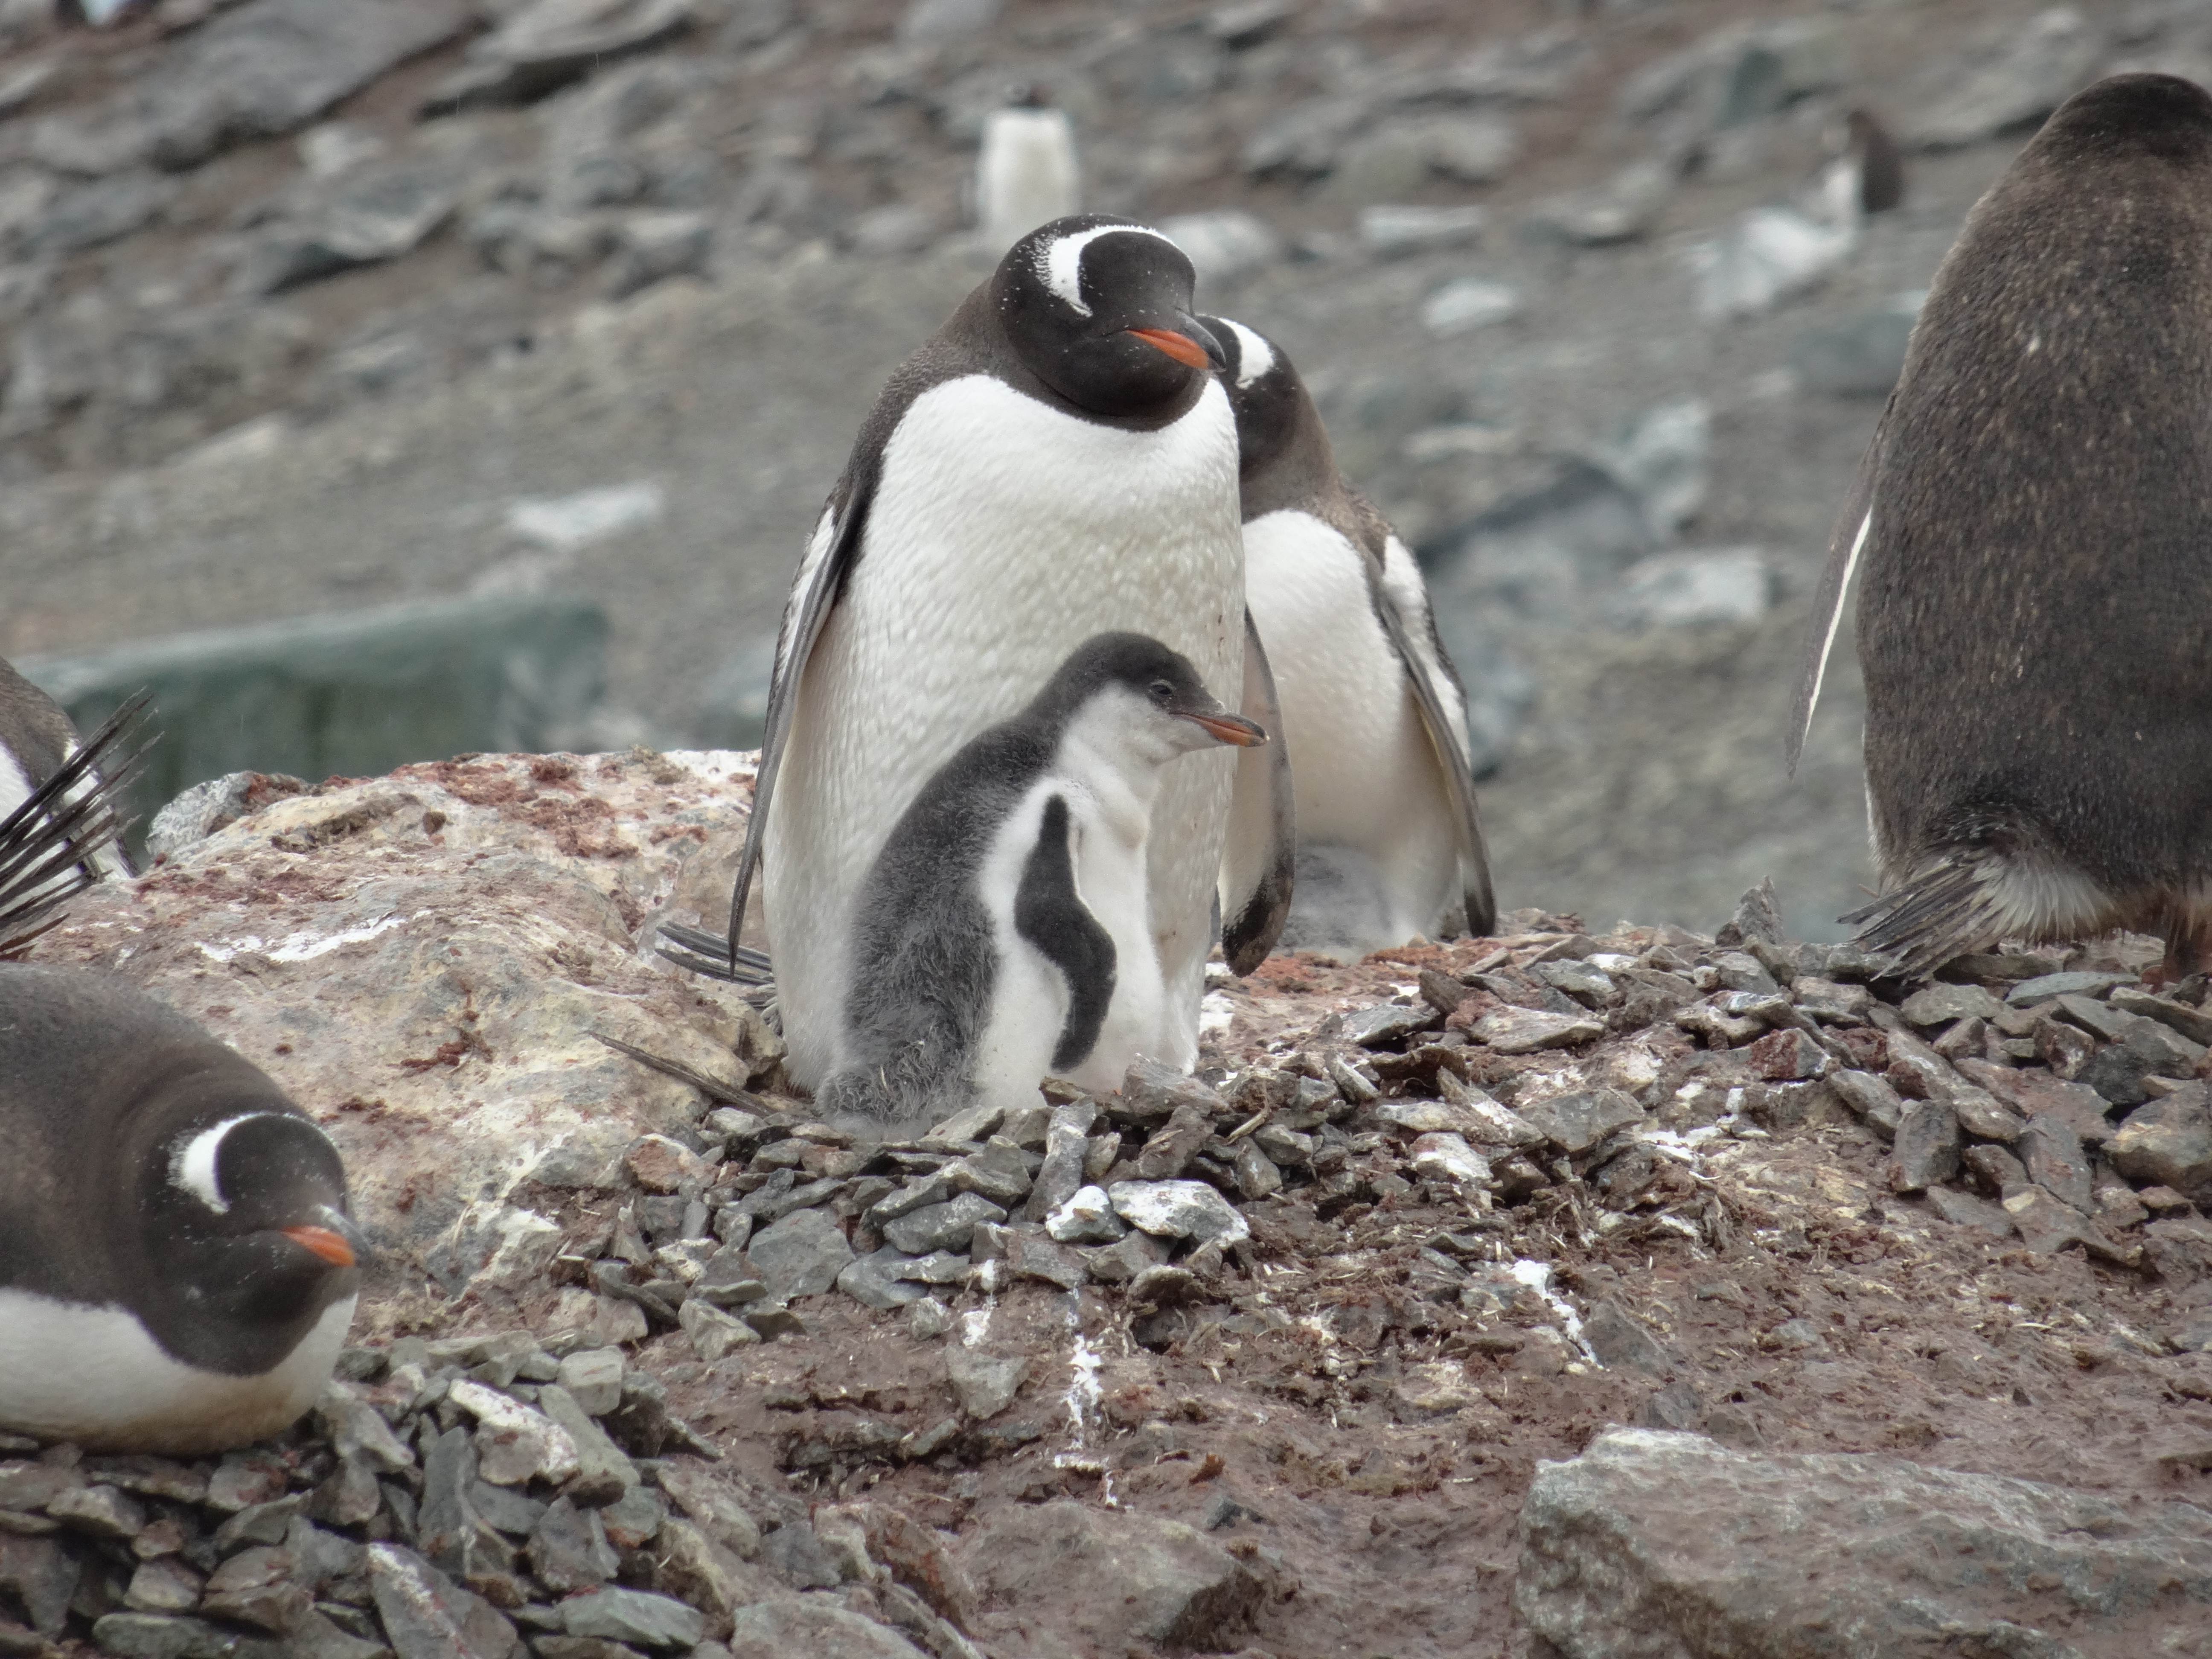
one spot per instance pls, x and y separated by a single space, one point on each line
1059 460
1003 933
2030 523
1373 716
59 824
176 1263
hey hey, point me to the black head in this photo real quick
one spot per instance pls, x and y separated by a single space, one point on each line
2160 116
1150 678
1098 309
1264 390
244 1215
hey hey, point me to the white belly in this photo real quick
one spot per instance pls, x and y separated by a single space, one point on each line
93 1376
1370 791
1002 535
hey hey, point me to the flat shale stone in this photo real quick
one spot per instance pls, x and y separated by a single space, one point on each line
98 1512
1965 1210
1928 1146
427 1616
1525 1030
1151 1092
1388 1024
2168 1141
2085 982
637 1617
1087 1217
1939 1003
786 1628
603 1471
1575 1123
155 1635
874 1279
2192 1023
1608 1567
984 1384
2051 1153
946 1226
1169 1149
1178 1209
801 1255
592 1377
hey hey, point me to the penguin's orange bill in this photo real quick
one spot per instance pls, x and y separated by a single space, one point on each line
1181 347
323 1242
1231 728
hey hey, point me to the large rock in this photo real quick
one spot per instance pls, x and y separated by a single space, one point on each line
1834 1554
422 962
787 1626
1107 1581
352 695
258 72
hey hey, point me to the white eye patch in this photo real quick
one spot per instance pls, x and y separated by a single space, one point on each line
191 1161
1254 356
1060 262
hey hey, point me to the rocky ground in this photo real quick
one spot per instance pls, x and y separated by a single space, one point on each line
311 305
1584 1290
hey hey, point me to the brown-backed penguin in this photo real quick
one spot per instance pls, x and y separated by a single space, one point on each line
1059 460
1373 720
2030 526
1004 932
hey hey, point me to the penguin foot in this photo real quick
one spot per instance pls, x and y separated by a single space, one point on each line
703 952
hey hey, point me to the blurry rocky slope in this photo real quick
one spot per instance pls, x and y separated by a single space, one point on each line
316 304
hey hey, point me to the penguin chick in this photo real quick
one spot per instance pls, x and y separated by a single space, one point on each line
1003 933
1373 720
1058 461
177 1264
2030 522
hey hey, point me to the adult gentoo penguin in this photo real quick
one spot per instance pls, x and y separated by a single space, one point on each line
1058 460
2030 525
1003 933
1373 720
176 1262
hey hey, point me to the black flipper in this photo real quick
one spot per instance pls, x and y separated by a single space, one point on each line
49 844
1846 542
805 619
1459 777
1049 913
1259 861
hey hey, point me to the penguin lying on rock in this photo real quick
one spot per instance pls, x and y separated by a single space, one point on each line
2030 523
177 1265
1373 717
1003 933
1059 460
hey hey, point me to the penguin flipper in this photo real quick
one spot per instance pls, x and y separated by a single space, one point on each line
1481 900
49 845
1050 913
1845 544
1259 861
821 582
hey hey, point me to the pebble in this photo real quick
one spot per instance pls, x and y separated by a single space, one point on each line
1389 230
1526 1031
985 1384
1447 1157
946 1226
1388 1024
1178 1209
1575 1123
515 1443
1928 1147
1087 1218
633 1616
592 1377
803 1254
2045 987
2168 1142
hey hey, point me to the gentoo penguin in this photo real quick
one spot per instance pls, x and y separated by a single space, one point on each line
1002 934
1058 461
1025 170
1373 716
1863 146
2030 525
176 1260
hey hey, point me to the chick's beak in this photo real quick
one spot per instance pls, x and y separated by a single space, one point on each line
1228 728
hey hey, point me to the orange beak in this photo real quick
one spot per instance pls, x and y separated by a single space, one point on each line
1231 728
1181 347
323 1242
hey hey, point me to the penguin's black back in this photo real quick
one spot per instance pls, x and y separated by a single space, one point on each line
99 1083
2036 611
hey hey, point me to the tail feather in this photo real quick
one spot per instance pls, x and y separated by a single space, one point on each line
1950 907
710 954
50 845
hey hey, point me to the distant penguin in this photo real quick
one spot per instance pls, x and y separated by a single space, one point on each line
1025 171
1060 460
1374 719
1003 933
2030 525
1866 159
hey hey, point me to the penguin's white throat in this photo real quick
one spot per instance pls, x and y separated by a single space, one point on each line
1115 745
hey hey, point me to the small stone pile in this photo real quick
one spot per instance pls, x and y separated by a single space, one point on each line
457 1497
2019 1095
